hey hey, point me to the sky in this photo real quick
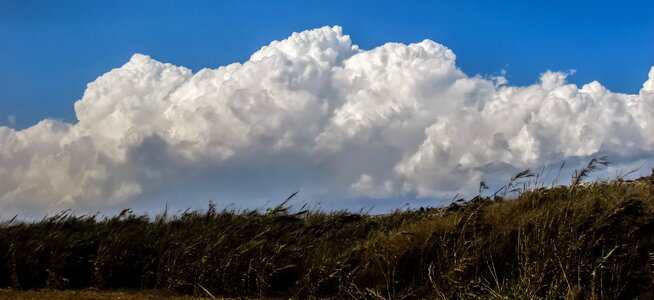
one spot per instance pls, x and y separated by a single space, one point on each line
116 103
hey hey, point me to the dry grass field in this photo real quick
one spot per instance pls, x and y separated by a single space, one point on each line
581 241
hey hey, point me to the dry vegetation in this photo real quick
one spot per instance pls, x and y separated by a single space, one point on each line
584 241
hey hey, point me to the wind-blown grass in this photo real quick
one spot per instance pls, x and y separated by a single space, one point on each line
586 241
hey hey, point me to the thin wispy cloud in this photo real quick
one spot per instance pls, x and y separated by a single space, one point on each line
313 112
11 120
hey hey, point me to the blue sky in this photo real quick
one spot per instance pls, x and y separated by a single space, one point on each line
50 50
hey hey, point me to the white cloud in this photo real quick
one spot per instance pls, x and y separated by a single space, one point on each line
648 86
312 112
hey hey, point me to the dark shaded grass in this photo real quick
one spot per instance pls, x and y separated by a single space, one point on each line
593 241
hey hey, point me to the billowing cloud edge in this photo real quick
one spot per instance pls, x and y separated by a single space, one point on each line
313 112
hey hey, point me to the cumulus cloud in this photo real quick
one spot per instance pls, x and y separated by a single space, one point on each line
312 112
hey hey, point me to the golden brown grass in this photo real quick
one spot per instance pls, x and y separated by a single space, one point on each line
585 241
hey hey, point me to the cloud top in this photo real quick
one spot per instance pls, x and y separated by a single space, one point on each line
315 112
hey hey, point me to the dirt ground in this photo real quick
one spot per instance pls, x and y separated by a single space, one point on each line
90 295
